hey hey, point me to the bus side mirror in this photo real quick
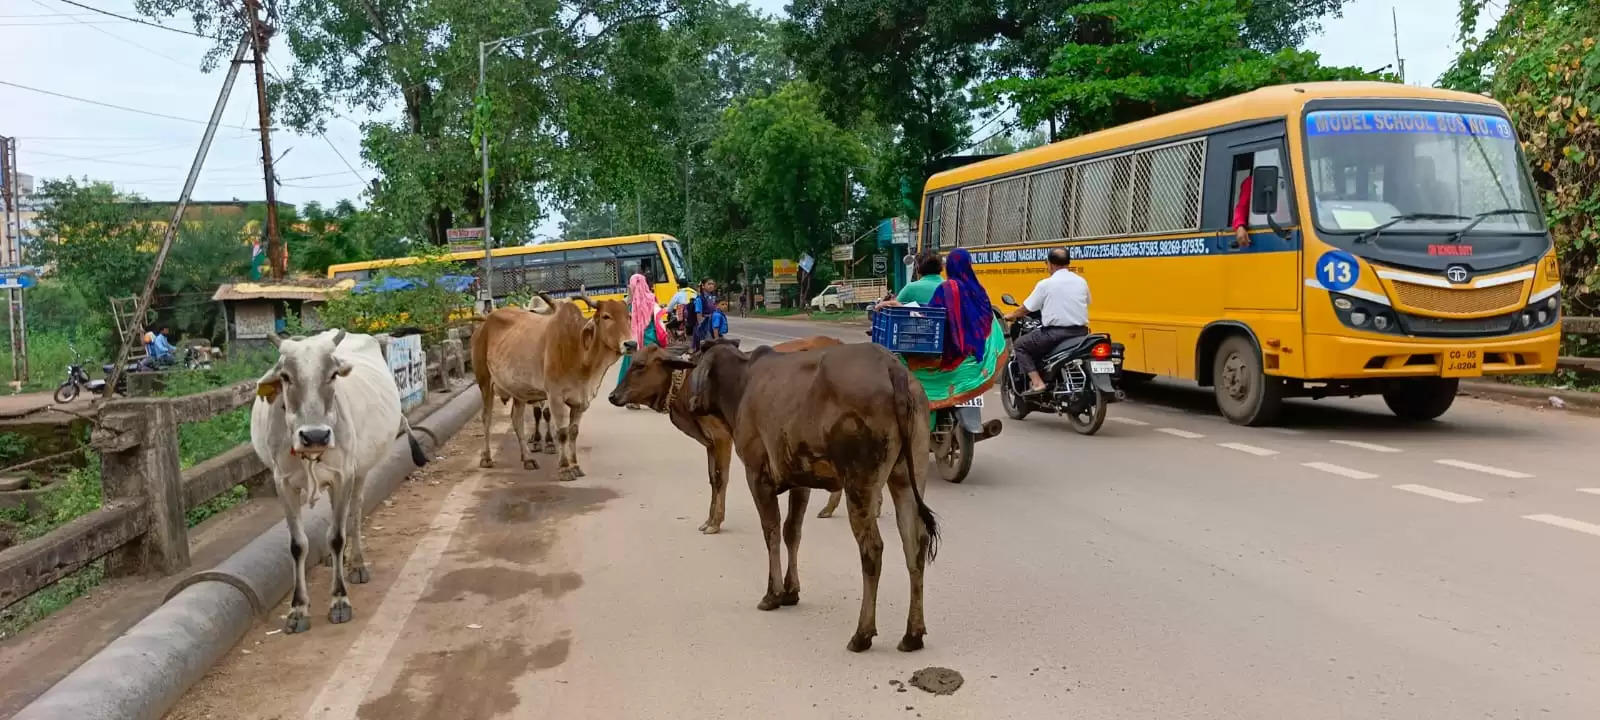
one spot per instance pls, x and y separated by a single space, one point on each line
1264 190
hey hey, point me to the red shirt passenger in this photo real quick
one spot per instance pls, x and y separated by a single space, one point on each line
1241 213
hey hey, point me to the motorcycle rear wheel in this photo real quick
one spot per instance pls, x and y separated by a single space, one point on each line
952 456
1088 421
67 392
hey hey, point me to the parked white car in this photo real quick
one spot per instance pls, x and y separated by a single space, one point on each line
829 299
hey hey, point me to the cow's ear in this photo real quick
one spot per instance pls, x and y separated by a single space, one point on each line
342 369
588 334
679 362
270 384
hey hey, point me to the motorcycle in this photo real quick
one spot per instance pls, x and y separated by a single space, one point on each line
1081 374
77 381
197 357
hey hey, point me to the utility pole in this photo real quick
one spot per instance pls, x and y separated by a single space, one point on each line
143 306
276 258
1399 63
11 231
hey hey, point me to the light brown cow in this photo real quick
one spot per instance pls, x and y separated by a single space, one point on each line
650 382
558 357
849 418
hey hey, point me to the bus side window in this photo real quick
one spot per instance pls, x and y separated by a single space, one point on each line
1243 163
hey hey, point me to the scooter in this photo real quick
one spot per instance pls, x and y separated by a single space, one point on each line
77 381
1081 374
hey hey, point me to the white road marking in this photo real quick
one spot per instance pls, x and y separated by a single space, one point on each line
1127 421
1340 470
1185 434
1250 449
1486 469
1287 431
349 684
1591 491
1366 446
1565 522
1438 494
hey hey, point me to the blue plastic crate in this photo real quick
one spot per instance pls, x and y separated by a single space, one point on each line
910 330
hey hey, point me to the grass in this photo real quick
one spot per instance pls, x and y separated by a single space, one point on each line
48 356
1558 380
80 492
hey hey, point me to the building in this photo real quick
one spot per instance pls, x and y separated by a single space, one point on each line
255 311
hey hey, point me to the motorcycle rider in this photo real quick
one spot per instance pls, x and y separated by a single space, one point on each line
1062 300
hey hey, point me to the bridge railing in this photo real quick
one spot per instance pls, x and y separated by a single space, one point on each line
141 526
1579 326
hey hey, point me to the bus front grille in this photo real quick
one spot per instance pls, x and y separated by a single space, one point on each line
1459 301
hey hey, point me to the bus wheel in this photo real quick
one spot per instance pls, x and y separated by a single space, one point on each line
1245 394
1421 399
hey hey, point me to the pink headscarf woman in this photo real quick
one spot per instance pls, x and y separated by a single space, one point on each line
645 316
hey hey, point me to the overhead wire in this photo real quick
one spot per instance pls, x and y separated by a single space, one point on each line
123 108
126 41
126 18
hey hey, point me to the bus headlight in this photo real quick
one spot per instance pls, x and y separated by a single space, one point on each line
1358 318
1544 317
1551 303
1380 322
1526 320
1343 303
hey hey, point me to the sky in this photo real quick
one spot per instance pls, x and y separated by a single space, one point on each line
52 46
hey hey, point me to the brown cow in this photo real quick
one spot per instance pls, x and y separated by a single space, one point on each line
845 418
650 382
558 357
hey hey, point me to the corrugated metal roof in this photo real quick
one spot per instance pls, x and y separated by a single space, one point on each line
303 289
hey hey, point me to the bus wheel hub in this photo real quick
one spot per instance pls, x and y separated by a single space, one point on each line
1236 377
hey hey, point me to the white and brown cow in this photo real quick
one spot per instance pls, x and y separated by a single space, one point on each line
559 358
324 415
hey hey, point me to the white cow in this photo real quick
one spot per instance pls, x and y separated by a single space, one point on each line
324 416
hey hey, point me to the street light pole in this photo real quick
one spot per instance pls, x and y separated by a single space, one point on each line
486 287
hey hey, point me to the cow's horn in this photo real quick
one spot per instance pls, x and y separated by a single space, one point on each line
338 337
275 339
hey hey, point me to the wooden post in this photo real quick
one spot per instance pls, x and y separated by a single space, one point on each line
138 445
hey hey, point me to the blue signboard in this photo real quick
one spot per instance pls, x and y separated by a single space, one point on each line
1338 270
18 278
1359 122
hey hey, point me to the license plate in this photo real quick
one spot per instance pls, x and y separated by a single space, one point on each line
1102 367
976 402
1462 363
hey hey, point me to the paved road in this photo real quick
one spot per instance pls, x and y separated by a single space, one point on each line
1174 566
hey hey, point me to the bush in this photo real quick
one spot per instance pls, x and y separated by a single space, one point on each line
429 307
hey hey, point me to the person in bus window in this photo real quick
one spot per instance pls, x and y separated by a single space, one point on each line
1241 213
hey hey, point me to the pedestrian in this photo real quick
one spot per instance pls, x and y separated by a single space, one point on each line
645 315
704 305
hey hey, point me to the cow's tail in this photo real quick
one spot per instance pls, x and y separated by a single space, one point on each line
418 457
910 421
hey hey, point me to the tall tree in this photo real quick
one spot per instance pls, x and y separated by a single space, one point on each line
1154 56
1541 59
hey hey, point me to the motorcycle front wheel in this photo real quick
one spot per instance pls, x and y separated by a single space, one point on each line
1089 420
953 454
67 392
1015 405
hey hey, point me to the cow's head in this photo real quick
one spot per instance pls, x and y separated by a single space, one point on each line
609 326
649 378
303 379
716 364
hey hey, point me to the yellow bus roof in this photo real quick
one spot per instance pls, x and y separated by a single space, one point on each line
1263 104
501 252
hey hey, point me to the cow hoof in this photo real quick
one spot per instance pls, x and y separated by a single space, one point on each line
825 514
711 529
340 612
485 462
359 575
530 464
768 602
789 598
566 475
860 643
577 471
549 448
297 622
910 643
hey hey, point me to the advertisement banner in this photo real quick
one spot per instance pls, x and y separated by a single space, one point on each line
410 368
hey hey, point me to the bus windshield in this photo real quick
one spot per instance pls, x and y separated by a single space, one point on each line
1435 172
675 256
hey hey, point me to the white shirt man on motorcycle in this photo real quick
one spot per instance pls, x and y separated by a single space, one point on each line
1062 301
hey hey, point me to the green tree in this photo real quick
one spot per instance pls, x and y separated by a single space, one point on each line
98 240
1542 61
1156 56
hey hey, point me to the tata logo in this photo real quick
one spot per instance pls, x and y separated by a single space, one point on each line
1457 274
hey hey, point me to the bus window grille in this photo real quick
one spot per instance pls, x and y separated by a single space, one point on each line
1167 191
1007 203
1102 189
947 219
1046 198
974 216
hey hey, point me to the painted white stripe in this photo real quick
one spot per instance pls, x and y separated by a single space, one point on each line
1367 295
1185 434
1565 522
1248 449
1339 470
1438 494
1542 294
1591 491
1503 279
1128 421
349 684
1485 469
1366 446
1414 279
1286 431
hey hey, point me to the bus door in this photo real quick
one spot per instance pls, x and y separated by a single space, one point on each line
1266 274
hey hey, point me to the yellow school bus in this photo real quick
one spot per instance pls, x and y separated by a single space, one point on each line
600 267
1395 243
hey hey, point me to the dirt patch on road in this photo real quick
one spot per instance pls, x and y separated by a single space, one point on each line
474 682
532 503
499 583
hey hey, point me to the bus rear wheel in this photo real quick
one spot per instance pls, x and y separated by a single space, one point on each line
1421 399
1246 395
